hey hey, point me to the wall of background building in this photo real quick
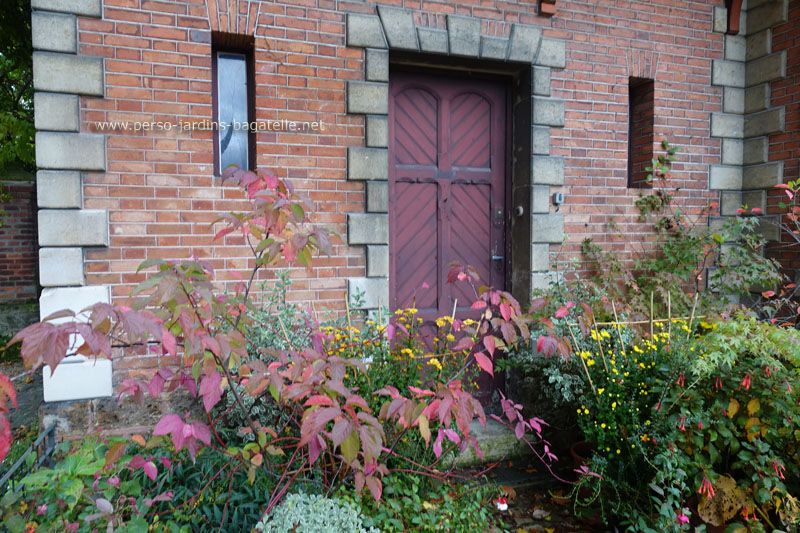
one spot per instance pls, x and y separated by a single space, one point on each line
18 248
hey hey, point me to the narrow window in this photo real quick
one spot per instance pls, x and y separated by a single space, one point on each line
641 135
233 104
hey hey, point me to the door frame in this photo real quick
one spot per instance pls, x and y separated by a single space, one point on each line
505 82
518 150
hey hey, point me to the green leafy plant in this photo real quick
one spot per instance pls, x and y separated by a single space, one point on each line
686 258
90 487
340 416
415 503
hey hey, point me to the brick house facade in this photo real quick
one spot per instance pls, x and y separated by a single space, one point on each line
725 90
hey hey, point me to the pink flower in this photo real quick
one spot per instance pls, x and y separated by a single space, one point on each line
113 481
706 488
41 510
680 381
681 517
718 384
779 469
745 382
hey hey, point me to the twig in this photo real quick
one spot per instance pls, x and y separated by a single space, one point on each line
669 316
691 318
599 344
636 322
585 368
616 323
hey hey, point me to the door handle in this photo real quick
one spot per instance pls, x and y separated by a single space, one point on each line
497 258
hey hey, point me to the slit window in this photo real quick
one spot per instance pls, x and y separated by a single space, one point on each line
233 89
641 134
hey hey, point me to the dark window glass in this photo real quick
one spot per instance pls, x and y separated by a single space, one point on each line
641 134
232 110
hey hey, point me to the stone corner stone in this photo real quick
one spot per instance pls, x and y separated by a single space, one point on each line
365 31
375 291
464 35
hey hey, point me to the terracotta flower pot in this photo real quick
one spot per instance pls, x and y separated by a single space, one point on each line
581 452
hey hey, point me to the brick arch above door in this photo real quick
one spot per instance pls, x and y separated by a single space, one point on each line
404 30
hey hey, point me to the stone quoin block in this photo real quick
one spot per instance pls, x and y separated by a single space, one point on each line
764 176
377 131
732 151
75 299
432 41
73 151
543 280
547 228
367 163
768 228
367 228
733 100
548 112
764 123
758 45
377 261
494 48
727 73
540 199
59 189
66 73
735 47
90 8
365 31
541 81
54 32
398 27
464 36
376 291
367 98
767 68
73 227
76 377
377 68
56 112
720 21
61 267
766 15
552 53
730 202
524 43
754 150
726 178
755 199
756 98
730 126
547 170
377 197
540 257
541 140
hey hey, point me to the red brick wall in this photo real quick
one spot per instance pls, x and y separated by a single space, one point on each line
670 42
159 188
786 146
18 244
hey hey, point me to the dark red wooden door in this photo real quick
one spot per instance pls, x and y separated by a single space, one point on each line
446 188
